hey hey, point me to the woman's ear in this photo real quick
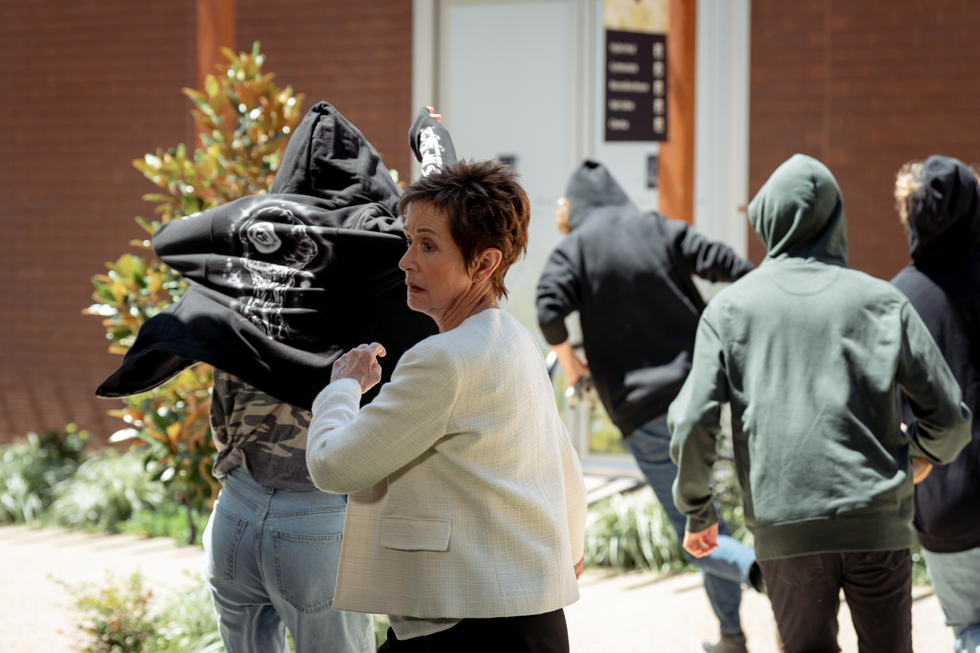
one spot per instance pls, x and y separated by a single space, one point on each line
487 264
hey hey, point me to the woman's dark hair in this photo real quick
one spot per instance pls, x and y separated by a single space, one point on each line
486 208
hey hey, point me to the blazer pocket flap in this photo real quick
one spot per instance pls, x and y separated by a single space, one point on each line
406 534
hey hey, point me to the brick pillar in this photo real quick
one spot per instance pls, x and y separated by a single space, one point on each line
215 30
677 154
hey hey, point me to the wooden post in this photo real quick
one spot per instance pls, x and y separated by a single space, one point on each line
677 154
215 30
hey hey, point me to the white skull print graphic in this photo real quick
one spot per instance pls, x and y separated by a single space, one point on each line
275 258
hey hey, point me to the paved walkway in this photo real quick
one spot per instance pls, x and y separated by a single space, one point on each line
618 613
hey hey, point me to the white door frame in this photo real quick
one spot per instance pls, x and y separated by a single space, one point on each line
721 143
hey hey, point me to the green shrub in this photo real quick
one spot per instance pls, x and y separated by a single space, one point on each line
604 437
116 617
920 575
105 491
169 519
380 630
631 531
187 624
32 467
172 421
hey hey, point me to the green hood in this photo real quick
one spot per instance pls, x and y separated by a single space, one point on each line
799 212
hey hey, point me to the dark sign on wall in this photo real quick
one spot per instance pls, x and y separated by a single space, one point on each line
636 86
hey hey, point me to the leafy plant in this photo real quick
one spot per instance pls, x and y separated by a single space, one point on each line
105 491
604 436
244 121
186 624
380 630
133 291
631 531
169 519
173 422
920 574
32 467
117 618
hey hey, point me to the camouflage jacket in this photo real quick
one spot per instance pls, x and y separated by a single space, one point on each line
259 433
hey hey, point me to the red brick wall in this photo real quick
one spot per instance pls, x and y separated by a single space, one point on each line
89 86
355 55
864 86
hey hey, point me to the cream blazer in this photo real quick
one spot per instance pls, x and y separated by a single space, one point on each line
466 497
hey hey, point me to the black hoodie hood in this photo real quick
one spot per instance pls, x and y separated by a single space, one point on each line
329 159
943 285
281 284
591 190
944 213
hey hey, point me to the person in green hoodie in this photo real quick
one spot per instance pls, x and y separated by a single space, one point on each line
808 353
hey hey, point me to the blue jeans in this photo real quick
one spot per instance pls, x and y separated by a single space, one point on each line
271 560
728 566
956 581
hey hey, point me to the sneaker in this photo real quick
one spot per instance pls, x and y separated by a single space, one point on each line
728 644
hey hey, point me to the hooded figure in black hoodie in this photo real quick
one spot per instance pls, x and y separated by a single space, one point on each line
939 202
628 273
280 285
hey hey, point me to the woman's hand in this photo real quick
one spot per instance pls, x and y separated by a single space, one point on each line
579 568
360 364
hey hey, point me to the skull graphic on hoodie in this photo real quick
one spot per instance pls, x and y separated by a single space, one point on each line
277 249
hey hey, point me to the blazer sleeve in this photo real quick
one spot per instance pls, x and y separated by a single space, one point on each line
350 448
559 291
941 428
576 502
694 419
709 260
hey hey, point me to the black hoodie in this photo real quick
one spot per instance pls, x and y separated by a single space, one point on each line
628 273
943 285
280 285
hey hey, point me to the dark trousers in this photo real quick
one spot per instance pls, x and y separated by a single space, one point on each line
805 595
539 633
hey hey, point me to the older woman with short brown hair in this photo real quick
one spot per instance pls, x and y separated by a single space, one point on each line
467 508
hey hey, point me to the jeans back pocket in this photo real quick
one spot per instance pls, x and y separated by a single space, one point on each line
306 569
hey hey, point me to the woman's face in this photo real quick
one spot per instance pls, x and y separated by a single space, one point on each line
435 273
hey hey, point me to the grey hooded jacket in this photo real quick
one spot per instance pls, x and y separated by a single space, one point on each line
809 352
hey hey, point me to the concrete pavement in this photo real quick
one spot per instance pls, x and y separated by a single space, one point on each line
618 613
634 613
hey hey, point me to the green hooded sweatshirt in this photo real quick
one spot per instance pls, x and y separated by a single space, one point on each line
809 352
